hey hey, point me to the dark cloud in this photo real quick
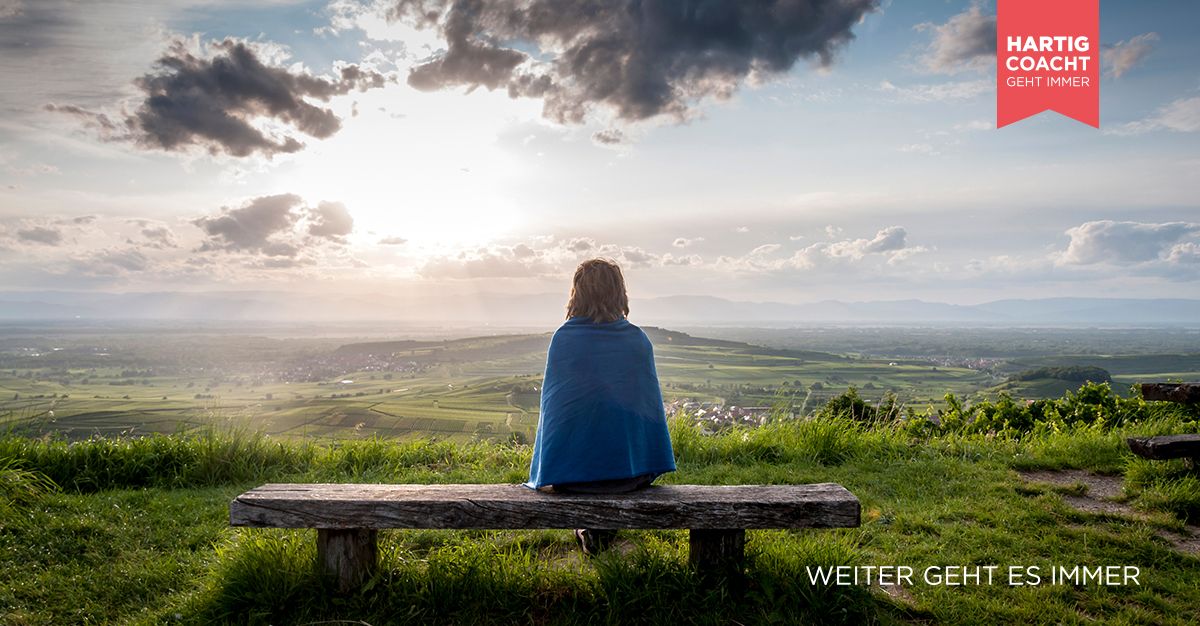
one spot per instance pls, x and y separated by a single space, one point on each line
214 102
280 226
330 220
966 41
41 235
83 219
640 58
609 137
254 227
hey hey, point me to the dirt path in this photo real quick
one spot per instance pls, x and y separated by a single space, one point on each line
1100 498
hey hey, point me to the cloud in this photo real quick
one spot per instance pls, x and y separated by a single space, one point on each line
938 92
254 226
40 235
609 137
544 256
1126 55
638 60
1128 243
669 259
10 8
765 249
1187 253
637 257
111 262
683 242
919 148
393 241
1181 116
330 220
219 98
495 262
26 29
154 234
581 244
889 239
889 245
966 42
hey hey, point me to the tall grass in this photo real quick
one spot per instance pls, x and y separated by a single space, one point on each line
821 441
208 458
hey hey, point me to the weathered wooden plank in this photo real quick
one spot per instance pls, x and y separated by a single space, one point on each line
1166 447
1172 392
349 555
824 505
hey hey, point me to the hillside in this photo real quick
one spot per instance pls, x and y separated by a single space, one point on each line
135 531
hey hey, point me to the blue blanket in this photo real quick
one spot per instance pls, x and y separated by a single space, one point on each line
602 412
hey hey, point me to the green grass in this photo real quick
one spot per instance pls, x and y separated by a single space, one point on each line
136 532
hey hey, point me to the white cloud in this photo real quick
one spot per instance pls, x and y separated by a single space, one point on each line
919 148
889 245
890 239
1126 55
669 259
966 42
938 92
683 242
1109 242
1181 116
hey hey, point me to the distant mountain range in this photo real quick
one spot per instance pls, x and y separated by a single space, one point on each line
544 309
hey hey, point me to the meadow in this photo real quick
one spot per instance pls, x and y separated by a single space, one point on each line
460 386
134 530
458 389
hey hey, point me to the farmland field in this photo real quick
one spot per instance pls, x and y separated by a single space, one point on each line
461 387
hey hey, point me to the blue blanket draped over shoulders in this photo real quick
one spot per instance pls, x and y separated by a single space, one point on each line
602 412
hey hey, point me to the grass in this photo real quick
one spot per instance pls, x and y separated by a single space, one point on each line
135 531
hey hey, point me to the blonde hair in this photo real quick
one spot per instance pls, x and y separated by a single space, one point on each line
598 292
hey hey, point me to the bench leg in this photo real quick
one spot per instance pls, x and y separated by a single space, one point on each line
718 554
349 555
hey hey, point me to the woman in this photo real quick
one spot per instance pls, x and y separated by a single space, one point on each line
602 427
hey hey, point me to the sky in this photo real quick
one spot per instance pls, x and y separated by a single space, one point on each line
780 150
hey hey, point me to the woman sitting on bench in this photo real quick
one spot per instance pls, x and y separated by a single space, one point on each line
602 427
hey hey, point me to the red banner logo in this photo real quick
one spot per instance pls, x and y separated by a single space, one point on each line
1047 57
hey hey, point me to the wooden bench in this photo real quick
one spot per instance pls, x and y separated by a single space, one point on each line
348 516
1169 446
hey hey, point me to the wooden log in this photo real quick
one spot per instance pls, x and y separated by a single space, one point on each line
718 555
332 506
1166 447
1188 393
349 555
